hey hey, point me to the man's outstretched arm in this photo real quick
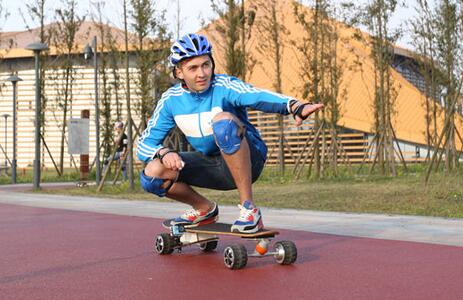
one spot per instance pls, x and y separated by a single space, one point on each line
245 95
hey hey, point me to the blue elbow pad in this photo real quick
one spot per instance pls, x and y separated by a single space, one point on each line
226 135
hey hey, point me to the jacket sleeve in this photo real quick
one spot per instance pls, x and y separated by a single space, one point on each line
245 95
156 131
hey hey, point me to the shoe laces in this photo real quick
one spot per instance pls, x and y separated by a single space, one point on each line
191 212
244 213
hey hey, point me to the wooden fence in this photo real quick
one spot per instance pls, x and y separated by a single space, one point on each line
352 147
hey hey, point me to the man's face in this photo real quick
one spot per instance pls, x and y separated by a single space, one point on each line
196 72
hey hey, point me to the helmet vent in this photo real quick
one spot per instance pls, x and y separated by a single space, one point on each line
195 42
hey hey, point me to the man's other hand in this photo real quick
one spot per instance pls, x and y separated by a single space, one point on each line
173 161
307 111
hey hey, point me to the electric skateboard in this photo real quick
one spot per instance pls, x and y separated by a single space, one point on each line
236 255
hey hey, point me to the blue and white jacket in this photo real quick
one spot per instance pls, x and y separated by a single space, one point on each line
193 112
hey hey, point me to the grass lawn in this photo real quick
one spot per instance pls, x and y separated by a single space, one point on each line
47 175
362 193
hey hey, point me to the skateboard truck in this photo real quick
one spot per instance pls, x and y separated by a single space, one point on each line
262 246
177 230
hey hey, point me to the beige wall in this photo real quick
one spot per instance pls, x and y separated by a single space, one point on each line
83 95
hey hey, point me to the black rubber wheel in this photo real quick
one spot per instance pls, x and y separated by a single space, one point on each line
208 246
164 243
235 257
286 252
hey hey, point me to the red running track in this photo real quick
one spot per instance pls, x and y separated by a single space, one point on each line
60 254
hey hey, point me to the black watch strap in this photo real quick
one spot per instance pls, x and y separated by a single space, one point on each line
297 108
161 156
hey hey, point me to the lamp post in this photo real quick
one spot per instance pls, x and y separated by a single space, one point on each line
14 80
6 116
88 54
37 48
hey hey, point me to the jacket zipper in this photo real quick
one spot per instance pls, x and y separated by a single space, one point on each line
199 118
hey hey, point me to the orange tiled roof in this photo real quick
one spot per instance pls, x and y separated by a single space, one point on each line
12 44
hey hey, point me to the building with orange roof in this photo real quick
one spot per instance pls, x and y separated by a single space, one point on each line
356 108
356 121
16 59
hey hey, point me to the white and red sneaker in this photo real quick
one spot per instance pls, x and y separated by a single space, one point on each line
196 217
250 219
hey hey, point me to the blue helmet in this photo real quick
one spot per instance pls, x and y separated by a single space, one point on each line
189 45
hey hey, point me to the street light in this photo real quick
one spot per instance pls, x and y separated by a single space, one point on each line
37 48
14 80
88 54
6 116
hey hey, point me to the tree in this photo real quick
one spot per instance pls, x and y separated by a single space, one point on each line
64 39
271 32
448 24
37 13
424 40
129 112
109 59
333 91
449 34
376 17
321 70
151 51
178 20
3 16
234 30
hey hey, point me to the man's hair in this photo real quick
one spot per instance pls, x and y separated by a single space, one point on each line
118 124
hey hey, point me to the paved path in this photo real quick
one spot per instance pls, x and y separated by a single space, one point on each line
64 254
405 228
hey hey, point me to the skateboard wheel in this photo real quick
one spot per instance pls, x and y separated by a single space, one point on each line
286 252
208 246
235 257
164 244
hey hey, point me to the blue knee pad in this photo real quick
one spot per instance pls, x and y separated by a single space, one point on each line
226 135
152 184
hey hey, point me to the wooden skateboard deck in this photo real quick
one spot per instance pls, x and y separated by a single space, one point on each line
223 229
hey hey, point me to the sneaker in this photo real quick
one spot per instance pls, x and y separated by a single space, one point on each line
250 219
196 217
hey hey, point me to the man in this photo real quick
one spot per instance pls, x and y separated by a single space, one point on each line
210 109
121 147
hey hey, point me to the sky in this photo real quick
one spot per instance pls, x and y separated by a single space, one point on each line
192 12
